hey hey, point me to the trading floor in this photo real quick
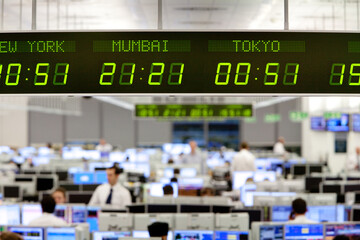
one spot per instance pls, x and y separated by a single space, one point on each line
179 120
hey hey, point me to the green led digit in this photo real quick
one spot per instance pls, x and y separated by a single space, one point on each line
152 73
354 74
272 81
0 70
42 76
61 74
15 74
246 74
293 74
111 74
335 74
131 74
227 73
179 74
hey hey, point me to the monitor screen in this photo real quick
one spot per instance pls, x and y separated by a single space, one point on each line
273 232
63 175
187 172
356 214
304 231
78 214
338 124
240 178
280 213
145 234
110 235
322 213
176 148
30 212
318 123
92 217
10 215
299 170
194 208
61 211
92 155
44 183
100 177
168 172
43 151
27 151
190 234
37 161
332 188
312 184
116 156
356 122
156 189
81 197
11 191
231 235
84 178
60 233
261 176
350 230
28 233
18 159
190 183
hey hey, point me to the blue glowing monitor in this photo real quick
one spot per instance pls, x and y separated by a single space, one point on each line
273 232
28 233
61 211
93 217
261 176
43 151
43 160
18 159
351 230
240 178
27 151
92 154
60 233
100 177
304 231
84 178
338 124
191 183
10 215
78 214
169 172
231 235
280 213
145 234
5 149
30 212
110 235
193 234
116 156
322 213
188 172
144 168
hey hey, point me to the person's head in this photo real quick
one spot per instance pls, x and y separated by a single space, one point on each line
207 191
168 190
357 150
174 179
170 161
159 229
281 139
113 175
193 146
59 195
244 145
10 236
49 145
48 204
102 141
341 237
299 206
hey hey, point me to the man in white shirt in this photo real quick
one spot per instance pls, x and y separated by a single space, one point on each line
103 146
244 160
279 147
353 161
298 212
194 157
111 193
47 219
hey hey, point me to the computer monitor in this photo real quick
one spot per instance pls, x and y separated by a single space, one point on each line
231 235
351 187
116 156
100 177
78 213
280 213
44 183
162 208
10 215
338 124
260 176
30 212
61 211
84 178
79 197
145 234
60 233
191 234
240 178
12 192
331 188
92 155
62 175
315 168
322 213
92 217
185 208
350 230
355 214
71 187
190 183
188 172
318 123
89 187
312 184
273 232
37 161
110 235
304 231
28 233
156 189
298 170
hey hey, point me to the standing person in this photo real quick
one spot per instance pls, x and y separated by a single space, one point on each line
104 148
353 161
244 160
47 219
111 193
194 157
279 147
299 209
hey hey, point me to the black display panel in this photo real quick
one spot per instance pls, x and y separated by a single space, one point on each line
179 63
195 111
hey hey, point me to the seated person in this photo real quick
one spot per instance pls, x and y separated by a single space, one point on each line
168 190
59 195
158 229
10 236
298 212
48 219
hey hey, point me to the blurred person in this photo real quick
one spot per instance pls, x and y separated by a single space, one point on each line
244 160
10 236
279 147
353 161
59 195
159 229
47 219
103 146
299 209
168 190
194 156
111 193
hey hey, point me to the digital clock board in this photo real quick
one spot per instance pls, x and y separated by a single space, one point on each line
193 111
162 62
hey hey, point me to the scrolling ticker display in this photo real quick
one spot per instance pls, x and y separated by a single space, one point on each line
179 63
